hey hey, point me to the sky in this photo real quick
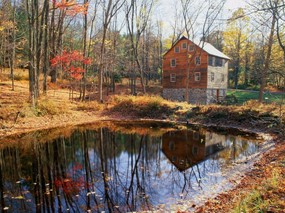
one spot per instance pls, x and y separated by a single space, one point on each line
234 4
166 11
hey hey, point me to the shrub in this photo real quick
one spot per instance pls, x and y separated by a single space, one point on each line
90 106
48 107
142 106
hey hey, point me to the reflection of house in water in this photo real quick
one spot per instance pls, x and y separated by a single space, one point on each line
186 148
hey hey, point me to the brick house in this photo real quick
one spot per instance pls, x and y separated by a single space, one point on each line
206 69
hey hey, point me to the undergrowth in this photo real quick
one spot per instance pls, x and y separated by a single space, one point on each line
43 107
267 197
142 106
89 106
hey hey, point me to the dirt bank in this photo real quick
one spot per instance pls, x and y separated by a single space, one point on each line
17 118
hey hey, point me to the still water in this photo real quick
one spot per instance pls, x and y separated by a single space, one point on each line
115 170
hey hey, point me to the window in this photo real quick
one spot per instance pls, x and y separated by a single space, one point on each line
197 76
195 150
210 60
172 77
196 136
198 60
191 48
219 62
176 50
223 78
184 46
212 76
173 63
171 145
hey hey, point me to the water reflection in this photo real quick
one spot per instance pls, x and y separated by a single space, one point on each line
187 148
101 170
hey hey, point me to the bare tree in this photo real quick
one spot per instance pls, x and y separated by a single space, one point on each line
191 16
110 9
138 15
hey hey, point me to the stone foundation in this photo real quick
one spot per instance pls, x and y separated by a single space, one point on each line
196 96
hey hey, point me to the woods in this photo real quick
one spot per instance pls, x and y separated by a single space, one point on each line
127 39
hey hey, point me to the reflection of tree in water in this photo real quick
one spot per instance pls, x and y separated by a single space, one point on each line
102 170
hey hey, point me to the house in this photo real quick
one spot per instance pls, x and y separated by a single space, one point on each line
205 67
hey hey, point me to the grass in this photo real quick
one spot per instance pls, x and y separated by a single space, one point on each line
19 74
244 96
266 197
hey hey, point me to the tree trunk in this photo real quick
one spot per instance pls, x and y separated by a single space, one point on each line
12 64
46 55
84 53
267 60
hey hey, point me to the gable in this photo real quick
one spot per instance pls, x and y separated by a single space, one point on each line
174 45
205 46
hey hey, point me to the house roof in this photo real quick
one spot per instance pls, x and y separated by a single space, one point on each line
209 48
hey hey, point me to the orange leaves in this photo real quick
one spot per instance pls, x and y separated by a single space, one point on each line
72 63
71 7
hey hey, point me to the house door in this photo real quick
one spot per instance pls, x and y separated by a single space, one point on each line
218 95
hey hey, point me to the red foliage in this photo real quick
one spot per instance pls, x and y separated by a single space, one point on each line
69 186
71 7
73 182
72 63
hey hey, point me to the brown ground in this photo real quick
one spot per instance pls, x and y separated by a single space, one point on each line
15 119
273 160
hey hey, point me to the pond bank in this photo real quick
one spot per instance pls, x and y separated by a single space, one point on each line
271 160
248 119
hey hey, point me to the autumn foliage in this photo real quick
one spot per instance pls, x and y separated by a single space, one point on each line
71 7
72 63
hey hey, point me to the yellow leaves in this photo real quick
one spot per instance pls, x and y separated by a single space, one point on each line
6 25
236 35
277 57
239 14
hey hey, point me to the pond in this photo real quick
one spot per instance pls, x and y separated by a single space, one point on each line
118 168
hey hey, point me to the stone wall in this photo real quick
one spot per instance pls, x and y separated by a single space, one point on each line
212 95
196 96
174 94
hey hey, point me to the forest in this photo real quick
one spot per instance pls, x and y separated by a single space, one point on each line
100 43
84 126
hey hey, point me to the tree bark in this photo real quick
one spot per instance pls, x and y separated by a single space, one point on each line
267 60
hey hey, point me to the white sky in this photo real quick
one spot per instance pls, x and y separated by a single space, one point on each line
166 11
234 4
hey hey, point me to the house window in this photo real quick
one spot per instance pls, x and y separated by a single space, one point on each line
223 78
211 61
197 76
172 77
195 150
191 48
212 76
198 60
184 46
171 146
196 136
176 49
219 62
173 63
